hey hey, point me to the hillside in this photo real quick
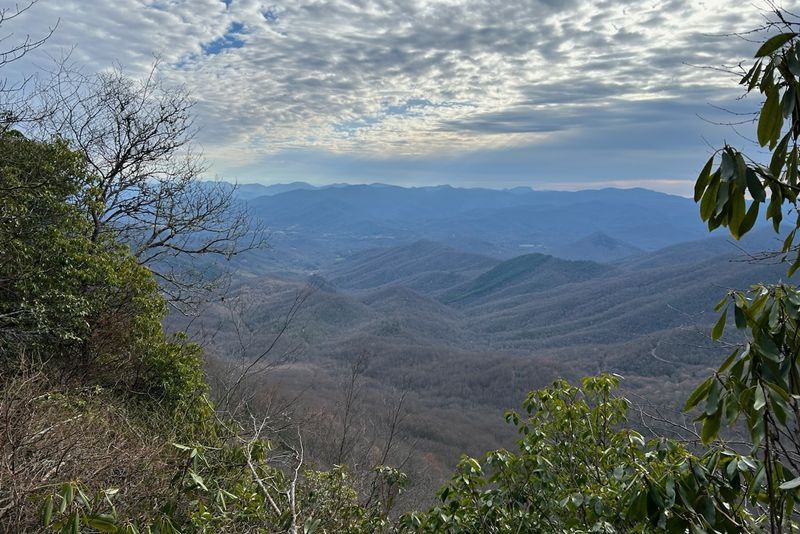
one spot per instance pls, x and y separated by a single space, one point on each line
524 275
423 265
467 334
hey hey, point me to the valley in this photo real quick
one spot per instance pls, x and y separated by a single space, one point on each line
466 323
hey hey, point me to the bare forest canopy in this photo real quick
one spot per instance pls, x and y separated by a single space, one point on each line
465 326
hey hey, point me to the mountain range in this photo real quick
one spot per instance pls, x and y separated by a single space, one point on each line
467 298
313 226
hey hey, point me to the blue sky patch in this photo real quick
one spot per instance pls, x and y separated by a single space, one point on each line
229 40
270 15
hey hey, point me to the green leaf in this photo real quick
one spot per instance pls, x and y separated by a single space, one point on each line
198 480
709 200
749 220
722 302
741 170
737 213
723 195
787 243
710 427
712 402
719 328
791 484
698 394
768 79
68 493
728 166
789 99
774 43
767 348
774 211
770 120
47 511
729 360
793 62
669 488
793 268
703 179
778 159
75 523
102 522
759 401
755 187
731 412
755 76
740 316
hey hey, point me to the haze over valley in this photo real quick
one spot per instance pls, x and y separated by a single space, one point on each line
467 298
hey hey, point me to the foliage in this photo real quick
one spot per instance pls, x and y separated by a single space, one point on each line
723 192
93 392
576 470
759 382
62 293
43 261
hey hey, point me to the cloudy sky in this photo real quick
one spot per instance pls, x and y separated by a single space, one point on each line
542 93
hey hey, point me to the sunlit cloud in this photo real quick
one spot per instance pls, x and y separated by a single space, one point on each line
415 90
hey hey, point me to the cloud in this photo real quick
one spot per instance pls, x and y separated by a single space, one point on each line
420 84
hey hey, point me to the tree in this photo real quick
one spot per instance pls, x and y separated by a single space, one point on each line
759 382
17 49
578 469
143 175
14 103
38 245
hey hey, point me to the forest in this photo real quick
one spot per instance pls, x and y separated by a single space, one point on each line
178 356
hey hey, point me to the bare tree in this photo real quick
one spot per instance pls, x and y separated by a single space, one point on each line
14 51
352 390
143 184
14 103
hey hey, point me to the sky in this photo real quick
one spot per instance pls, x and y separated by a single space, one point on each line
539 93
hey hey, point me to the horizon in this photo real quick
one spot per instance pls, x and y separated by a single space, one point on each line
555 96
594 187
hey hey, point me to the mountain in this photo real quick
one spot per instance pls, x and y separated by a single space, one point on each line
423 265
257 190
323 224
250 191
524 275
467 298
597 247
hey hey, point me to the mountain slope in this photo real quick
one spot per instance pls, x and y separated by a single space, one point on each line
599 247
523 275
423 265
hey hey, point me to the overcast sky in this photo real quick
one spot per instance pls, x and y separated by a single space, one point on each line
540 93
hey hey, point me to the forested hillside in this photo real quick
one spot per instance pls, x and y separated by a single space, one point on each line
465 336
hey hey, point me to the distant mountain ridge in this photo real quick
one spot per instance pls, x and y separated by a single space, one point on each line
321 224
